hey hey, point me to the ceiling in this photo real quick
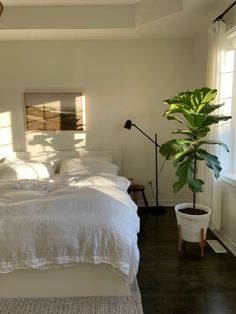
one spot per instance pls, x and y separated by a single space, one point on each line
106 19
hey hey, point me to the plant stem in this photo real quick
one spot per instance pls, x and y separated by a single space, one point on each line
194 175
194 201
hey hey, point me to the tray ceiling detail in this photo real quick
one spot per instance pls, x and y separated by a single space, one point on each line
106 19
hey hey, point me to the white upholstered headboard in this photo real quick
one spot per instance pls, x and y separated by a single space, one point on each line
52 155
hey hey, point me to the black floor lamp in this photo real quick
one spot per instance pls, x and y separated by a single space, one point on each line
155 209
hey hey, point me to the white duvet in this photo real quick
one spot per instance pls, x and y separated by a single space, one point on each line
47 224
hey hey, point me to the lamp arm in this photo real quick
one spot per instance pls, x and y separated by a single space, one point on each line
154 142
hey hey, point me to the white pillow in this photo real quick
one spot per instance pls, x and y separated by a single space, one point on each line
26 170
11 159
71 167
107 158
54 163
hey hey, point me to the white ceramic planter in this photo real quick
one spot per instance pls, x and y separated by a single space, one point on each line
191 225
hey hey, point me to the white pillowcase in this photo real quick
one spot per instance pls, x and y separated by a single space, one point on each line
26 170
106 158
54 163
12 159
72 167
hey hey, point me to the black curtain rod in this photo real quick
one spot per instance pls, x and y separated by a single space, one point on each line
220 17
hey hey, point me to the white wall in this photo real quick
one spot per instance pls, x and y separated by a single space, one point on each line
200 57
120 80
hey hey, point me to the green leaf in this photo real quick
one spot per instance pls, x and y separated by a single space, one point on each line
171 148
189 117
201 132
169 117
184 132
198 118
207 94
212 142
177 186
212 161
187 152
198 98
184 173
211 119
209 108
196 185
175 101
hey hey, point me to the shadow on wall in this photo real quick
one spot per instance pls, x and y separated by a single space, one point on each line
65 140
14 137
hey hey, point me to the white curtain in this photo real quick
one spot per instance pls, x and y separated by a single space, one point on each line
216 56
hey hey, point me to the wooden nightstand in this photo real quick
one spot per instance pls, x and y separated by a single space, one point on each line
134 188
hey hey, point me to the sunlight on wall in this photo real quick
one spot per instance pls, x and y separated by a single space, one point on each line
80 138
84 112
6 142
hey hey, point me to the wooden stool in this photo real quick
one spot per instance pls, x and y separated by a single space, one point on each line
135 188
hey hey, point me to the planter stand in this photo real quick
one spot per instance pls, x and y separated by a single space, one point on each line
192 228
181 242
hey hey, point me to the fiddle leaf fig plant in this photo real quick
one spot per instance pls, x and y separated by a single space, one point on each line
193 110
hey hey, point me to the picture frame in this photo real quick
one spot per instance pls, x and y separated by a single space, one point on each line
54 111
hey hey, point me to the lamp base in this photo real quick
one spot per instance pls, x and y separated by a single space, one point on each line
156 210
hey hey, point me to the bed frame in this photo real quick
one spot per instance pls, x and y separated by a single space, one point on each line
79 280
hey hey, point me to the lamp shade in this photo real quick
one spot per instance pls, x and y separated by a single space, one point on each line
128 124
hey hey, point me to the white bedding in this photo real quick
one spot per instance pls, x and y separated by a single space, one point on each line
50 224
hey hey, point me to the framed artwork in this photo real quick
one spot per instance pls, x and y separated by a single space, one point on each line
54 111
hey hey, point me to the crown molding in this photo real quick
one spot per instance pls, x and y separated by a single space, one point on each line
67 2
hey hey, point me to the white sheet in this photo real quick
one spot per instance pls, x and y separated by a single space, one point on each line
53 224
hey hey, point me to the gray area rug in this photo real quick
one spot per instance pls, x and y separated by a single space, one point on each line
75 305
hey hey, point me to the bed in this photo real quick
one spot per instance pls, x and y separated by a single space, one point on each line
68 227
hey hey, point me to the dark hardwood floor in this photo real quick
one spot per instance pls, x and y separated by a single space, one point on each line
184 284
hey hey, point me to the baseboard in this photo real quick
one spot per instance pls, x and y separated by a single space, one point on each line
229 244
164 203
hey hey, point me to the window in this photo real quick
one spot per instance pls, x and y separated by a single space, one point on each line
228 97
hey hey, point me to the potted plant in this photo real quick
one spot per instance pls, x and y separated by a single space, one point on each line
193 110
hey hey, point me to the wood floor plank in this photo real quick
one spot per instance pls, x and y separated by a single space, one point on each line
186 283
